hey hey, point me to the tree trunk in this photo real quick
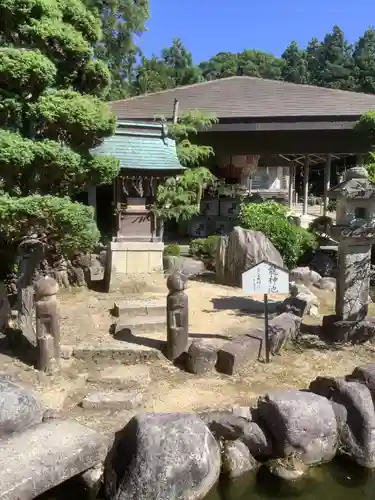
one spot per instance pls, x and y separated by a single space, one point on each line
32 252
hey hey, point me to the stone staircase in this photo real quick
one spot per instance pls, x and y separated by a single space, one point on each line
139 317
139 335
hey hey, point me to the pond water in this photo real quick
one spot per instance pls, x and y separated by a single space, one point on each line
339 480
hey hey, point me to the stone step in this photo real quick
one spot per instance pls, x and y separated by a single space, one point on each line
126 353
129 308
119 400
37 459
140 326
122 376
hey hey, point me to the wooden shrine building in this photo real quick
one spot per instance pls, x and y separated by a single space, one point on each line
274 130
147 156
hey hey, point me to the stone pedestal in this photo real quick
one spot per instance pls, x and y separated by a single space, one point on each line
355 226
132 260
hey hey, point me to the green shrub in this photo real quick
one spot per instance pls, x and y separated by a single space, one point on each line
205 249
332 205
172 250
270 218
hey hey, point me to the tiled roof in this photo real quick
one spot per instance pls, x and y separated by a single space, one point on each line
140 146
247 97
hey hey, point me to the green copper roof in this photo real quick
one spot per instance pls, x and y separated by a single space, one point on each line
141 146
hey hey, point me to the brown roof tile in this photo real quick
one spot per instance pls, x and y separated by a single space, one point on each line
247 97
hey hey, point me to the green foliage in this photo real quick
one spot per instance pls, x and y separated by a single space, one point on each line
366 127
247 63
122 21
24 71
295 68
48 126
71 224
173 68
172 250
79 120
205 249
180 197
270 218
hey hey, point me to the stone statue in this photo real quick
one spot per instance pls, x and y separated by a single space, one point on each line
47 325
177 316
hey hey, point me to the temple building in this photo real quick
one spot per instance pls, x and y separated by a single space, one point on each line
271 133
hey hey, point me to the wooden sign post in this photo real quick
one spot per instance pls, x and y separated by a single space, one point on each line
265 278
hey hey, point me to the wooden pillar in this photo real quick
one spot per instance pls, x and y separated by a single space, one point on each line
91 195
305 184
327 183
290 186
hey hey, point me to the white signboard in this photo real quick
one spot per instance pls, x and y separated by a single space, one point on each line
265 277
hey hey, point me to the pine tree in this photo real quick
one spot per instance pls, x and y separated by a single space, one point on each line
364 62
52 116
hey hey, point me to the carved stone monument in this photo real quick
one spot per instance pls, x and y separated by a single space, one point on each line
177 316
47 325
355 228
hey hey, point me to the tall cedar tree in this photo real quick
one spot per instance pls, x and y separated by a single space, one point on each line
122 22
51 117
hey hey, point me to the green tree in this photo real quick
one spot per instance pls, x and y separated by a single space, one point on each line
246 63
52 117
180 197
151 76
179 62
364 62
223 65
259 64
331 62
122 22
295 67
172 69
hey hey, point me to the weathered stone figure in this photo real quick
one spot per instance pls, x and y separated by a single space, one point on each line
47 325
177 316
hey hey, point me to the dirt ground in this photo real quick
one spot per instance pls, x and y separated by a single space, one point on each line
217 313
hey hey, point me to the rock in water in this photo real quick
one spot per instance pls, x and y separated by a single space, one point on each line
243 249
357 435
301 422
162 456
19 408
237 459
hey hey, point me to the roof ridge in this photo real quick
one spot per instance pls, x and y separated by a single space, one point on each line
127 99
242 77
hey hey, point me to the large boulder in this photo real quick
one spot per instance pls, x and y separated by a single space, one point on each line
162 455
240 251
357 435
301 422
228 426
19 408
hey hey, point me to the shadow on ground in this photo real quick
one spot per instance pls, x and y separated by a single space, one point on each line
16 346
125 335
244 305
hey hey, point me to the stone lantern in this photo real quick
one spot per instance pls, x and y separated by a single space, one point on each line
355 229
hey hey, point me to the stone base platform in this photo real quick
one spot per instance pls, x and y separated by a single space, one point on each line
131 259
335 329
127 353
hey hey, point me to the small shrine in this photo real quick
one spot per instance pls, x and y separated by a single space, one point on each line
147 157
355 228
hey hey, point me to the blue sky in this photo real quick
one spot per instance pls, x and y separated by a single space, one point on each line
211 26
